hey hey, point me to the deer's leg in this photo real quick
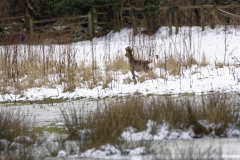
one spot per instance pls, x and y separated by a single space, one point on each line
134 77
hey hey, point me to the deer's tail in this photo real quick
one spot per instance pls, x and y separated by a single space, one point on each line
151 65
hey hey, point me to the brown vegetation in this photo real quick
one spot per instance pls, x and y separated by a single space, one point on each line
110 120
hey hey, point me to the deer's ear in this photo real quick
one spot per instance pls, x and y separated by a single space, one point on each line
129 49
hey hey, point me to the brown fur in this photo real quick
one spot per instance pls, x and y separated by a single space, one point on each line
136 65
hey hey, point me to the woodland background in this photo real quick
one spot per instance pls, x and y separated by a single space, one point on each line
42 9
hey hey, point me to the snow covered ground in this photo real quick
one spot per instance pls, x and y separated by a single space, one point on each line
175 149
218 46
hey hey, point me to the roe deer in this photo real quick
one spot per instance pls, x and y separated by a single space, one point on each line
137 65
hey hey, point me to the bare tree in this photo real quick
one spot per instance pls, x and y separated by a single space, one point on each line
32 10
4 8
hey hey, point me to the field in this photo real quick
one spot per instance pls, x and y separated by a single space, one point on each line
193 62
188 65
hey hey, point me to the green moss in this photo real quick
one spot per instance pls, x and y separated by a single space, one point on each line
166 94
106 97
44 101
187 94
149 95
51 100
51 129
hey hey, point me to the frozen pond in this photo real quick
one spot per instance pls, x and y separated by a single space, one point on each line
45 114
184 149
206 148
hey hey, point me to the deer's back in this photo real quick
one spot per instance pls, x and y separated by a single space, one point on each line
139 65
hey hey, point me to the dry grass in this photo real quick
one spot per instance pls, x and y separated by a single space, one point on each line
127 80
204 61
107 79
28 66
118 64
174 64
142 77
109 122
112 117
14 123
15 127
219 64
40 62
152 75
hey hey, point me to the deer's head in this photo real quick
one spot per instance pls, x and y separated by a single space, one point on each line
128 52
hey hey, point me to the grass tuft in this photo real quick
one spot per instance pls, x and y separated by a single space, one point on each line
15 134
112 117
